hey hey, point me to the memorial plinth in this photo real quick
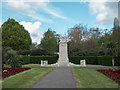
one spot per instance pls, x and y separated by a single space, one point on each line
63 53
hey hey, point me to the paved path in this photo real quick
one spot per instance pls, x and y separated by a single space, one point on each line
60 77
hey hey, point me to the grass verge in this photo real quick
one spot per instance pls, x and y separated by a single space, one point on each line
88 77
25 79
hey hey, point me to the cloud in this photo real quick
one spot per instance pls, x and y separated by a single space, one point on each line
41 18
105 11
54 12
34 30
31 7
0 24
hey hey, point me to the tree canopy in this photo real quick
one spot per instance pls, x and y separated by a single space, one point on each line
15 36
91 42
49 42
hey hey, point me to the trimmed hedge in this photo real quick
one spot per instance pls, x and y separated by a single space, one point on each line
76 59
89 59
104 60
25 60
37 59
94 60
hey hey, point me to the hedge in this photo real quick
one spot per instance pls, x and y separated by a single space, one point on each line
104 60
94 60
37 59
89 59
25 60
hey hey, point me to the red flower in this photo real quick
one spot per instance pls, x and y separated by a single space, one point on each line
10 71
114 75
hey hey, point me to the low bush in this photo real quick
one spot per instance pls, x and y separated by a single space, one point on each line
95 60
37 59
25 60
104 60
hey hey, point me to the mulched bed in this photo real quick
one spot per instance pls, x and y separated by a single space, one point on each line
11 71
113 74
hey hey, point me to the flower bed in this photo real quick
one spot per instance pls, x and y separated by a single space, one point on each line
111 73
11 71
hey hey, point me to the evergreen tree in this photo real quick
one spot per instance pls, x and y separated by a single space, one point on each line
49 42
15 36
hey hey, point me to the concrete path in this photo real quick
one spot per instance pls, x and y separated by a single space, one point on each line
60 77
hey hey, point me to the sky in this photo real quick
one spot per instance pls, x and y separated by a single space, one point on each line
37 16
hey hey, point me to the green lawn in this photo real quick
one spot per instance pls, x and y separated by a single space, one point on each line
88 77
25 79
8 66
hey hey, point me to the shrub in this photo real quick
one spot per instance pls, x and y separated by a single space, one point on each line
91 60
117 61
37 59
25 60
23 52
4 54
13 59
38 52
76 59
95 60
105 60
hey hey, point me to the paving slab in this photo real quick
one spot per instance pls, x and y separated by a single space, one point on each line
60 77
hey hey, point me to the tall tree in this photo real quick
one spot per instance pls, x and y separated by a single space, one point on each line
76 34
0 37
49 41
15 36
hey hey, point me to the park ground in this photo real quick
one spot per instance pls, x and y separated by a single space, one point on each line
85 77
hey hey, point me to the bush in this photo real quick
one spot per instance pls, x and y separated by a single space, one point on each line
117 61
13 59
23 52
4 54
91 60
25 60
95 60
38 52
104 60
76 59
37 59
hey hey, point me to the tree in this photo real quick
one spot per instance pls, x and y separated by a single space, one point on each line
76 34
0 45
49 42
15 36
90 47
83 41
0 37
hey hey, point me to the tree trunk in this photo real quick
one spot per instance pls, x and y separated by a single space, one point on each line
113 61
